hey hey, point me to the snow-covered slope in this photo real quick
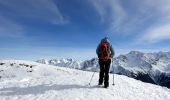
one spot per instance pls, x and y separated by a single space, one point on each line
148 67
24 80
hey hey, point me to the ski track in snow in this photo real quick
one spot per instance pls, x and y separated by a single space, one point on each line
56 83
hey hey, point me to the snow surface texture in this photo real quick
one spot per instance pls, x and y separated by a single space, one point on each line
25 80
148 67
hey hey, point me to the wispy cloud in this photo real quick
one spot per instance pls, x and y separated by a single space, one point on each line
10 28
46 10
160 29
156 34
148 19
110 11
13 11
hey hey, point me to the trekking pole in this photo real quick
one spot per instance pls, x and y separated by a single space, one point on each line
91 79
113 72
92 76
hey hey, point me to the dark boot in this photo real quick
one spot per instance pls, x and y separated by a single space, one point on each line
106 85
100 83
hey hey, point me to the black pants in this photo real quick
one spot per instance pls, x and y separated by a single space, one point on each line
104 71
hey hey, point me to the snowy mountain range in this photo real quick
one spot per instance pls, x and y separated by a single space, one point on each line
27 80
148 67
90 65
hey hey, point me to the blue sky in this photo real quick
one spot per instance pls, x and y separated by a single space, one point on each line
35 29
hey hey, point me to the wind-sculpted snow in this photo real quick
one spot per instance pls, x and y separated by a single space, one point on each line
25 80
148 67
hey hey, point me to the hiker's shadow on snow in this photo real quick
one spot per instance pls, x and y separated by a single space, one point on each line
39 89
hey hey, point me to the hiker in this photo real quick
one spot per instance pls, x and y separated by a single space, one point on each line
105 53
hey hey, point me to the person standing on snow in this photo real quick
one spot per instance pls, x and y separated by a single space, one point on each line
105 53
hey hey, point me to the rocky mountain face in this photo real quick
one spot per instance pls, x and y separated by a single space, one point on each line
148 67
